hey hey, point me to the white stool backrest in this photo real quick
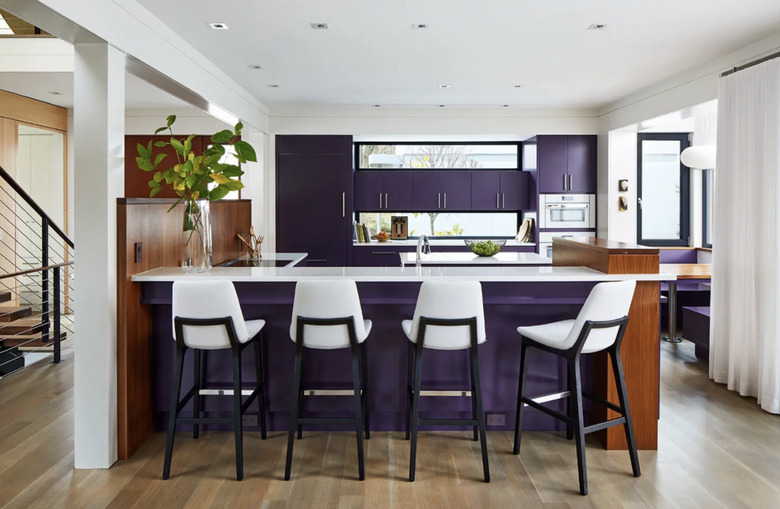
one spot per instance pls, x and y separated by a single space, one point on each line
449 300
607 301
208 299
337 298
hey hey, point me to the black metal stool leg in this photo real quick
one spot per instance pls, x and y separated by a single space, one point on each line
474 408
520 384
477 396
617 367
356 384
570 406
364 386
294 408
579 430
409 387
237 417
175 392
196 382
415 411
260 384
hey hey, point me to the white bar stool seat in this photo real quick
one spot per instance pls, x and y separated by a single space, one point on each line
326 316
600 325
207 316
449 316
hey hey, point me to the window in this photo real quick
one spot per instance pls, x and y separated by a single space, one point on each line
447 224
706 192
469 156
663 193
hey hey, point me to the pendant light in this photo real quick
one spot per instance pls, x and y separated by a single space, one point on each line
699 156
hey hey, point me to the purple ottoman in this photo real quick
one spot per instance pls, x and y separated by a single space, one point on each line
696 328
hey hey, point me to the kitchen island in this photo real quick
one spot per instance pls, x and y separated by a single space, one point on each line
513 296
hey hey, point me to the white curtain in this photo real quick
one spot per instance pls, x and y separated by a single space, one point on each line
745 323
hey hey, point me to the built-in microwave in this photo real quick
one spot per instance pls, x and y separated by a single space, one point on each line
546 240
567 211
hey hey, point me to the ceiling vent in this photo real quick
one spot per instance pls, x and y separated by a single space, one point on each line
319 26
420 26
256 67
597 26
218 26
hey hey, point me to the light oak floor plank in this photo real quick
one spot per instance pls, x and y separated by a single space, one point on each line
716 449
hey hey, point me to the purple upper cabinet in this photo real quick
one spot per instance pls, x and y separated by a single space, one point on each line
582 164
456 190
398 189
369 190
515 194
427 193
552 164
486 190
314 197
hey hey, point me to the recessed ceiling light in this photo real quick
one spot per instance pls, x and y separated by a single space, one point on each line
506 106
377 105
517 86
597 26
218 26
420 26
319 26
256 67
55 93
441 106
273 85
444 85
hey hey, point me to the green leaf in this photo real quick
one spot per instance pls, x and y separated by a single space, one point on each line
191 137
158 177
178 147
144 164
187 146
191 181
171 119
186 168
159 130
149 150
232 170
239 127
222 136
154 192
158 159
219 178
245 151
161 144
153 184
218 193
142 151
233 185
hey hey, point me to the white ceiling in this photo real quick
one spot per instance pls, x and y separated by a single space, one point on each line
371 55
40 85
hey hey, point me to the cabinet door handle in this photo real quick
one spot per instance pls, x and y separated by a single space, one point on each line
571 182
383 252
497 201
385 200
344 204
439 205
564 181
380 201
503 201
445 200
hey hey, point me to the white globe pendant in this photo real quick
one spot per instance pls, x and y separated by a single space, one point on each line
699 156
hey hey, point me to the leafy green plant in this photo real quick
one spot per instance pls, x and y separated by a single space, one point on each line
192 176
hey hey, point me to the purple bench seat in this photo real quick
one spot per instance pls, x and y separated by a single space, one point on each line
696 328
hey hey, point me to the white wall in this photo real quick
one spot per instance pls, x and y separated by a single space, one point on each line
188 121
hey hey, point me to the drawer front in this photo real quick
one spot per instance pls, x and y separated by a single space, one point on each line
377 256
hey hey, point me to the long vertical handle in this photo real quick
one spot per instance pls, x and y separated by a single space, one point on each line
564 181
445 200
380 201
497 201
344 204
571 182
503 201
439 205
385 201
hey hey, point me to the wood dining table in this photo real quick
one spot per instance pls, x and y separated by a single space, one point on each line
683 271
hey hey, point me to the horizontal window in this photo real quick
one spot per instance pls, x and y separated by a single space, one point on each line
446 224
438 156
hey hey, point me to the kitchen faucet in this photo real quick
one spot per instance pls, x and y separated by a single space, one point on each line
423 247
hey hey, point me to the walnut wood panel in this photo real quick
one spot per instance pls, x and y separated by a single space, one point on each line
147 222
9 140
640 350
24 109
137 180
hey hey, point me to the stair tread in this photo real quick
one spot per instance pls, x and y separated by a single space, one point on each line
12 313
28 340
5 296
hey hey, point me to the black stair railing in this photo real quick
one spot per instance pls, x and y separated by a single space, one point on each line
39 240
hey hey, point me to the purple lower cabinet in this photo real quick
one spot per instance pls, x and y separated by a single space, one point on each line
507 305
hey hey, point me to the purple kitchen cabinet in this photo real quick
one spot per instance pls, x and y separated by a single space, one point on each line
369 190
456 190
582 164
398 186
426 196
486 190
567 164
314 198
515 190
552 163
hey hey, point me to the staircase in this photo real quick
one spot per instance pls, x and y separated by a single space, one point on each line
36 274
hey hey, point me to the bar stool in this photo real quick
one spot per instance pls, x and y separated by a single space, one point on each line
327 315
449 316
207 316
599 326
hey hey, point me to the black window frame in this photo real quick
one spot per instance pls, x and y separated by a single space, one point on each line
685 195
706 176
518 144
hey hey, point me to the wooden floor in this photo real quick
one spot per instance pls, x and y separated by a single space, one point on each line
716 449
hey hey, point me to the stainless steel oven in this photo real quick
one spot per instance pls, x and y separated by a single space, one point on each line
546 240
567 211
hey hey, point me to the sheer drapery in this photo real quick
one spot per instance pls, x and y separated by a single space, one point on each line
745 327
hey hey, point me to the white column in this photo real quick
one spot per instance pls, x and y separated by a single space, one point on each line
99 116
254 182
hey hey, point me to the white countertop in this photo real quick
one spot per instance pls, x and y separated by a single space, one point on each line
395 274
293 259
432 242
468 258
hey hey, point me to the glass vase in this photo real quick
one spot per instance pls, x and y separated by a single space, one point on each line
196 236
